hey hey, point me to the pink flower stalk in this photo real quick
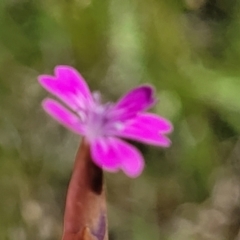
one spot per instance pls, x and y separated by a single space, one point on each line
105 125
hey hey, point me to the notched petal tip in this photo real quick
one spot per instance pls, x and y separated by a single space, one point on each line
59 69
149 89
68 85
133 171
144 95
45 80
136 100
72 80
133 162
168 128
165 142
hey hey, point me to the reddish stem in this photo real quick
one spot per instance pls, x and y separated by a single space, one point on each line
85 215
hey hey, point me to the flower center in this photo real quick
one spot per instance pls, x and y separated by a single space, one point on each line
94 118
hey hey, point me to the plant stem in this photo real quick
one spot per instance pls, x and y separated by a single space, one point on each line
85 215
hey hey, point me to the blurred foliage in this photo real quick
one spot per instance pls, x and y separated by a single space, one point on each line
188 49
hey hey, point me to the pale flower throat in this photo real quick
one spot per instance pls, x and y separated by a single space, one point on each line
97 119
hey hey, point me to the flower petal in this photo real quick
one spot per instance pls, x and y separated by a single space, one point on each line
132 159
63 116
147 128
112 153
68 85
138 99
104 154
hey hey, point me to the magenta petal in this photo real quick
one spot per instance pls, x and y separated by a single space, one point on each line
73 79
112 153
153 121
68 85
132 160
104 154
63 116
138 99
147 128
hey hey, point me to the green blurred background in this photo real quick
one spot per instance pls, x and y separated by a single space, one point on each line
188 49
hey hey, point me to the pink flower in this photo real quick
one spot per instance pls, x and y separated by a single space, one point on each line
104 125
